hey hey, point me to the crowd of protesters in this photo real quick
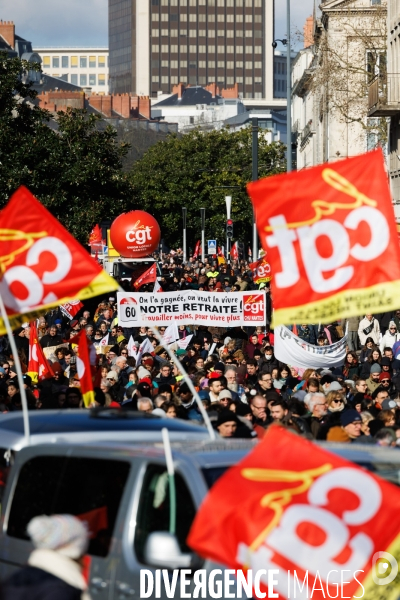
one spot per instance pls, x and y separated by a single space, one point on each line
240 382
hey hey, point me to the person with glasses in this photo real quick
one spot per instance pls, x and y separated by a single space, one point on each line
391 337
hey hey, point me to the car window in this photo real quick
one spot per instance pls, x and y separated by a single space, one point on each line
154 508
90 489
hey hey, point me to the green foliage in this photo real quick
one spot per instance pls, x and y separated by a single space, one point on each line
198 170
74 170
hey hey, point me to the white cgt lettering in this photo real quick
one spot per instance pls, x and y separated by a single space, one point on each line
284 538
32 283
316 265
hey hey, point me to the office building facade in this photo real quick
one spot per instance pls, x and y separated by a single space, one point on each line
155 44
84 67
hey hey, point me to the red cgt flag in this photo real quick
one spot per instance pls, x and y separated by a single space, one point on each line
148 276
331 238
293 507
261 270
42 265
197 249
38 366
234 251
95 236
86 366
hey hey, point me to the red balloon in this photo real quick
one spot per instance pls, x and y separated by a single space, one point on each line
135 234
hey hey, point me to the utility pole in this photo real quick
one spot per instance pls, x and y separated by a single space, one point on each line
254 178
184 214
203 225
288 94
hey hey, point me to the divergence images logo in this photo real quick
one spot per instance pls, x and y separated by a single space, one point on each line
128 309
253 307
384 568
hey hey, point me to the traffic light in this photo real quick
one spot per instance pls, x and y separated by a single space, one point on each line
229 228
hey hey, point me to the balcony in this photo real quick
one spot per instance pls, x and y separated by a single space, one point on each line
384 95
306 134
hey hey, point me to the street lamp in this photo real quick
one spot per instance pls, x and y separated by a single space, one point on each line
184 214
286 42
203 225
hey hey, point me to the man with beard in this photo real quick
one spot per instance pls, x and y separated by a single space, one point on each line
232 384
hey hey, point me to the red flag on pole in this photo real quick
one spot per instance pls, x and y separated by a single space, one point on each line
331 237
85 366
293 507
71 308
197 249
42 265
235 251
95 236
148 276
38 366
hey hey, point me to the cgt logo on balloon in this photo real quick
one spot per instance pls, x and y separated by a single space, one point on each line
326 230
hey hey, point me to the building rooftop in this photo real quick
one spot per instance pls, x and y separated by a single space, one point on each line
71 48
49 84
190 97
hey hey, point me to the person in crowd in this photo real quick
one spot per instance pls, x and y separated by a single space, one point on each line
369 327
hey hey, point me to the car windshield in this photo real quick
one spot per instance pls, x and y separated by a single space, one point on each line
212 474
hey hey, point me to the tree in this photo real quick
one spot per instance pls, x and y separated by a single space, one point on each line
198 170
74 168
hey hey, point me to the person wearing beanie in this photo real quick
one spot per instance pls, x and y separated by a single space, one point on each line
54 571
227 423
373 380
349 429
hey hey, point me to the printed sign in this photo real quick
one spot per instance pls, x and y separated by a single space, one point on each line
190 306
212 246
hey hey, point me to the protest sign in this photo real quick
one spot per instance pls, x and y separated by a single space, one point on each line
292 350
190 306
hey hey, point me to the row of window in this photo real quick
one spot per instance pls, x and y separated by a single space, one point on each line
155 48
227 3
229 33
280 68
193 18
72 62
210 79
280 85
83 79
202 64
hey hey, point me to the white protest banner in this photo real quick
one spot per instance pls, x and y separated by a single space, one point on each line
171 334
184 342
131 347
292 350
191 306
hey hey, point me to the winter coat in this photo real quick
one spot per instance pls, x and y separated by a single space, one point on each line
389 340
48 576
374 334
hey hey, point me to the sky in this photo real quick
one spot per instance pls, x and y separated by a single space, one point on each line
84 22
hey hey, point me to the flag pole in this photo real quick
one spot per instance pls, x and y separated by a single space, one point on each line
20 377
189 382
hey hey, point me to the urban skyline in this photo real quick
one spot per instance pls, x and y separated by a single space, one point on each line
48 23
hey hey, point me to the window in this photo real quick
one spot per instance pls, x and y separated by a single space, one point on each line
202 80
102 79
202 18
193 18
221 64
221 49
249 18
229 33
92 79
174 17
183 2
248 80
85 487
174 33
211 49
258 64
257 50
249 49
211 33
202 33
239 79
202 64
74 79
211 79
164 32
46 62
164 79
173 3
249 33
239 33
174 79
239 2
239 64
249 2
248 64
64 62
211 18
230 80
183 17
164 17
92 62
258 33
239 49
192 33
155 48
229 18
211 2
155 78
174 64
230 49
164 48
165 63
183 48
164 2
101 61
56 75
221 32
154 33
56 62
83 79
220 2
193 49
257 18
64 77
155 17
239 18
83 62
183 32
192 64
375 2
174 48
